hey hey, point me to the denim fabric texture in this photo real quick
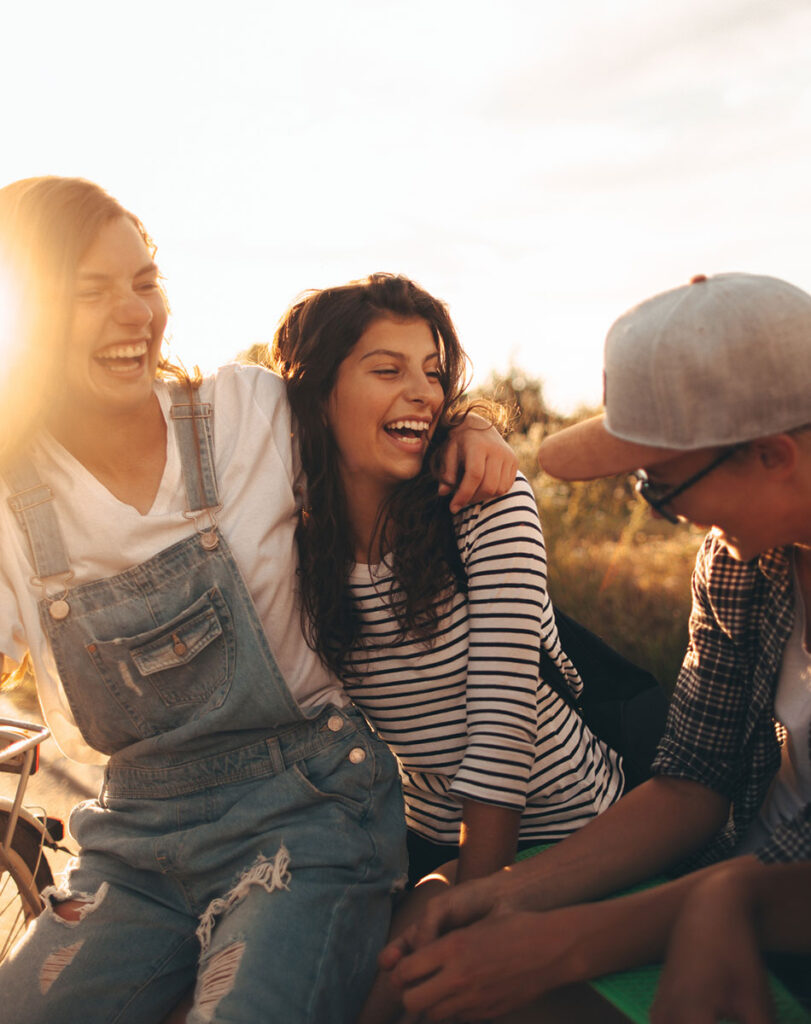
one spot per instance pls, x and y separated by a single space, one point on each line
235 842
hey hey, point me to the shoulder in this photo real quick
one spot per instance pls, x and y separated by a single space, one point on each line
731 594
724 577
242 394
250 411
236 381
516 504
503 526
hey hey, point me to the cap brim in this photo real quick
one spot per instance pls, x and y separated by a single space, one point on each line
587 451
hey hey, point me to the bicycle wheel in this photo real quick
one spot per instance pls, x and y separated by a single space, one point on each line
31 870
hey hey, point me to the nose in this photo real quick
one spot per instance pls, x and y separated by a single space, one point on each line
131 308
418 388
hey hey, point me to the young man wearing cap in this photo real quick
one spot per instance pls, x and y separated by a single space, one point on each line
708 398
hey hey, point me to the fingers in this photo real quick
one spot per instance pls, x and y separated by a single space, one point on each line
430 982
473 474
485 477
484 461
449 466
439 916
451 981
507 476
393 953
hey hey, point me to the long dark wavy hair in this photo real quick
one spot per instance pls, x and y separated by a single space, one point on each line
415 526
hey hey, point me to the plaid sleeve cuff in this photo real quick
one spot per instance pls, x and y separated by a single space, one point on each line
673 759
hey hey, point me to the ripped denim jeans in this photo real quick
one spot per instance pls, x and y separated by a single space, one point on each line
269 892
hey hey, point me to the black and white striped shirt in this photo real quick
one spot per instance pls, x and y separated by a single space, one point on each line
467 715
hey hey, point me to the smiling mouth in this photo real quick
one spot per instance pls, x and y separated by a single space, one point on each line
413 432
122 358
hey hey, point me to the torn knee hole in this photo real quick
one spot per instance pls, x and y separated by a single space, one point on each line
71 907
72 910
55 963
217 979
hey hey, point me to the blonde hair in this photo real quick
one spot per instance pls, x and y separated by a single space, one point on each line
47 225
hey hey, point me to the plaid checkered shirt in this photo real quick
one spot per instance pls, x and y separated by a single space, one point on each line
721 730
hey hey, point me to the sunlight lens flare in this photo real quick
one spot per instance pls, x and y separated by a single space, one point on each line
11 339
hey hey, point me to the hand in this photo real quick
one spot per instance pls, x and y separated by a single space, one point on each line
487 463
713 969
452 908
494 966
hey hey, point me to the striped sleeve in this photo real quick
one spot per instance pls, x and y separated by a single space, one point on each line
503 552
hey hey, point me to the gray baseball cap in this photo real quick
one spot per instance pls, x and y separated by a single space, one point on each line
721 360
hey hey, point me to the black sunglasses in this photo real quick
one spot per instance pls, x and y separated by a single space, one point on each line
659 496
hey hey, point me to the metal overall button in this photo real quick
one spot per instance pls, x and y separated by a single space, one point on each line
59 609
205 523
357 755
178 646
335 723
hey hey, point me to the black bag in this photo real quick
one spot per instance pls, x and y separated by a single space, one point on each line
621 703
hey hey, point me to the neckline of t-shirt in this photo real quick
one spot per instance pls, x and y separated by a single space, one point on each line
80 473
363 572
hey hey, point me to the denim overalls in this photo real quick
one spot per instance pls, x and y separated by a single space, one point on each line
234 841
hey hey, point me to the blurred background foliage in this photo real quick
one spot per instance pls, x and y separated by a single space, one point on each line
612 566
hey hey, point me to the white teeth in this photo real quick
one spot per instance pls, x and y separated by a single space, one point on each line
130 351
408 425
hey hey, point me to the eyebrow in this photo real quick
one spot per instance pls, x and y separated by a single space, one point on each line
91 275
395 355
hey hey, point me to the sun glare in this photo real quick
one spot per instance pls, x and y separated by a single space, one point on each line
10 321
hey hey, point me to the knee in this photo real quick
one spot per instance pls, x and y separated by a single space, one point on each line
71 910
73 906
68 909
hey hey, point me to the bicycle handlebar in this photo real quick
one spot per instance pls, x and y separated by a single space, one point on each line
10 729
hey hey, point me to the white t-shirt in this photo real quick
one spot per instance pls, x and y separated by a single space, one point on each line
256 467
790 790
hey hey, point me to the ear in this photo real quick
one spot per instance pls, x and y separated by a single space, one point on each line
778 453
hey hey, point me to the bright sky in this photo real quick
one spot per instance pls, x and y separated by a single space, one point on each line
540 166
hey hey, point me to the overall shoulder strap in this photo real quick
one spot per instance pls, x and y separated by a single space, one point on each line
192 422
32 503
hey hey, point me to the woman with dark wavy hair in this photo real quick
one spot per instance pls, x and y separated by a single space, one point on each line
434 620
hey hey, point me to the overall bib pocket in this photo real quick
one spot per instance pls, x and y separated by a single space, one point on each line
174 671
